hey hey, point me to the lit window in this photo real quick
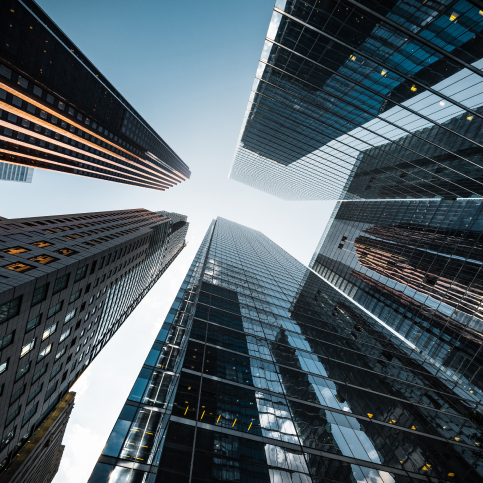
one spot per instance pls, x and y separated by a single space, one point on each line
65 334
60 354
353 57
54 309
43 259
15 250
27 348
67 252
3 367
45 352
383 72
49 231
19 267
49 331
414 88
70 315
453 16
41 244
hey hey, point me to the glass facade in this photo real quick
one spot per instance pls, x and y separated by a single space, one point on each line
58 112
265 372
369 99
14 172
67 284
416 265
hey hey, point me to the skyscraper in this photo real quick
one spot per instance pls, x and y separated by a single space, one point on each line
263 371
59 112
416 265
352 93
14 172
67 283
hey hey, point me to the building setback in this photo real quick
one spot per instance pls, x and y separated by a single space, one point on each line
265 372
14 172
59 112
381 90
67 283
416 265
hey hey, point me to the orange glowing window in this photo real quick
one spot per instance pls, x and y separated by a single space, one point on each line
67 252
89 244
69 237
41 244
49 231
43 259
18 267
59 229
15 250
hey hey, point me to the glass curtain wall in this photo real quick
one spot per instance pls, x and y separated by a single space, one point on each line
265 372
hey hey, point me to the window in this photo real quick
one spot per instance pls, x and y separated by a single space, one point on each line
55 372
61 283
3 366
17 394
10 309
34 323
102 262
12 417
22 372
51 390
34 393
60 354
88 287
55 309
44 353
6 441
80 274
75 296
29 414
40 294
27 348
93 267
70 316
49 331
19 267
67 252
65 334
15 250
39 374
43 259
41 244
6 340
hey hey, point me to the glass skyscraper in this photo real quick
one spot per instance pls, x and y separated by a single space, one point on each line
369 99
67 284
416 265
265 372
14 172
58 112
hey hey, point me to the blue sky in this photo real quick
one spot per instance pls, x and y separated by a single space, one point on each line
188 68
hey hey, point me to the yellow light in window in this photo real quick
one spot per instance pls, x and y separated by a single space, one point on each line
414 88
218 419
186 411
353 57
202 415
470 118
15 250
18 267
450 474
424 468
370 415
480 12
383 72
233 423
250 426
413 427
456 438
453 16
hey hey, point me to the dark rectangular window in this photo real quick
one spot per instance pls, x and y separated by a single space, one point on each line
17 394
29 414
6 340
102 262
34 393
61 283
93 267
80 274
75 296
34 323
55 372
51 390
40 294
55 309
22 372
12 417
10 309
39 374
